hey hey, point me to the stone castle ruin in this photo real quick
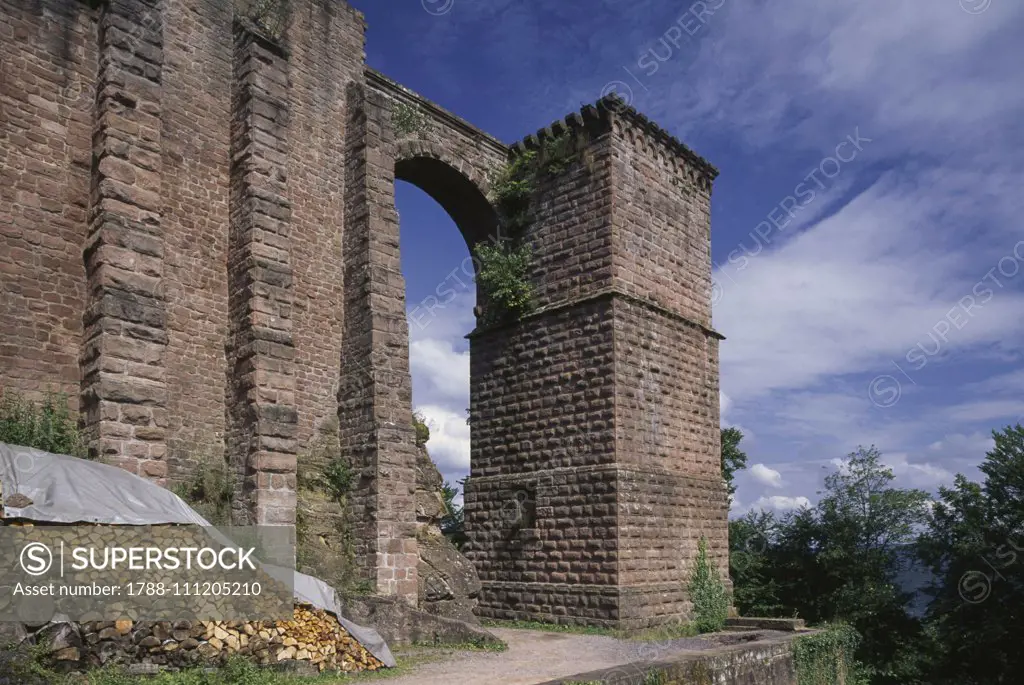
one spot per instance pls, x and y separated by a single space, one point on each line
199 243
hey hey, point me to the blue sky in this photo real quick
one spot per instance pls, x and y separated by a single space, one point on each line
866 226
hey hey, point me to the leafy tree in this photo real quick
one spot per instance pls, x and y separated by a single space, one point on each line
975 549
453 525
755 589
839 561
733 458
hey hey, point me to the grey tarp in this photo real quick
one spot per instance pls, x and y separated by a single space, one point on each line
66 489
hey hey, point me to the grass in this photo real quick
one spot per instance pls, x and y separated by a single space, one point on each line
477 646
237 671
660 633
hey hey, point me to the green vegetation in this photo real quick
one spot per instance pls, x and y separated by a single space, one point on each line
658 634
733 458
30 669
337 478
503 267
827 657
453 525
211 490
50 426
422 429
707 592
503 275
325 546
408 119
478 644
323 467
269 17
842 561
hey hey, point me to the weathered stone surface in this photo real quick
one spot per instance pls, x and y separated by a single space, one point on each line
430 506
448 583
11 634
398 623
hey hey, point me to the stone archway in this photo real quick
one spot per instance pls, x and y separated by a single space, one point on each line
450 161
455 185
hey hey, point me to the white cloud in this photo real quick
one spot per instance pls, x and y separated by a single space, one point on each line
439 364
917 474
449 437
985 410
780 503
766 476
724 403
440 372
874 266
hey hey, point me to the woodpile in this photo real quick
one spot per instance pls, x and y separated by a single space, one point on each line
313 635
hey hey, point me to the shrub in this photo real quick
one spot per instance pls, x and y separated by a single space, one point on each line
50 426
827 657
503 277
707 593
338 477
422 429
210 491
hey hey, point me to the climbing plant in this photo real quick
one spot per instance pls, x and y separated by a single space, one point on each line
826 658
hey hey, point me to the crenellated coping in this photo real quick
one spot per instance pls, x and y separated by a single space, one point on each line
607 114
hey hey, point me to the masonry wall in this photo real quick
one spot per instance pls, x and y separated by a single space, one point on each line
450 160
194 170
48 66
595 449
667 409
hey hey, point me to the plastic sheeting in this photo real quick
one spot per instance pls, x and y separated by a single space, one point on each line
65 489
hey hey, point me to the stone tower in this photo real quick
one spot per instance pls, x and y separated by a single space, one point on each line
595 420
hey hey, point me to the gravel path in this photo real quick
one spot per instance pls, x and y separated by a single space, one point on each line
535 656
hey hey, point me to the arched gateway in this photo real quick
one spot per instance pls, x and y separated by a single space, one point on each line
241 286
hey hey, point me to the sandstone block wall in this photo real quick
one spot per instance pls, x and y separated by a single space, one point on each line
48 69
595 459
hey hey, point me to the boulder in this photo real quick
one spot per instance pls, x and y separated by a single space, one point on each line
12 634
448 582
399 623
430 506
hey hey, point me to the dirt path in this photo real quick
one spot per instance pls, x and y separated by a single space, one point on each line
537 656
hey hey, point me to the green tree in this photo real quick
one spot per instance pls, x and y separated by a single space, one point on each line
838 562
755 589
975 549
707 592
453 525
733 458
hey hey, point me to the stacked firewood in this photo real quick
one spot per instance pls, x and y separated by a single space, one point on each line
311 635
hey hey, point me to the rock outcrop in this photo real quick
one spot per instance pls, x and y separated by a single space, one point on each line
448 583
